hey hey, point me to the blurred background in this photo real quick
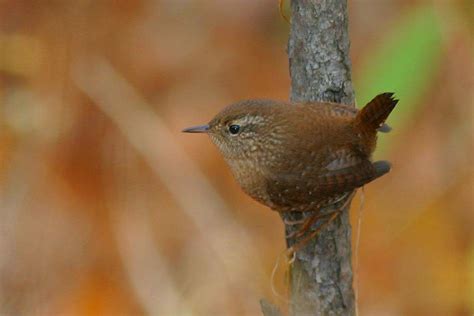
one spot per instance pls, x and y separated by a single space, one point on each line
107 209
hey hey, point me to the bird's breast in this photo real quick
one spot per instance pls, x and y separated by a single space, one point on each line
251 179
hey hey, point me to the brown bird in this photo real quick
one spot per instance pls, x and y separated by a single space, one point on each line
300 157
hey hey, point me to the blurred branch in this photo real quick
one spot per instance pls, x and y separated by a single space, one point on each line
148 134
318 49
148 273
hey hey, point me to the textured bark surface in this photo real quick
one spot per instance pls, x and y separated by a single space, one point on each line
318 49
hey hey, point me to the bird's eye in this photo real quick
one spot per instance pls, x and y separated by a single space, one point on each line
234 129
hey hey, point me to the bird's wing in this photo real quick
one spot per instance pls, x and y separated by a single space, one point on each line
349 178
311 188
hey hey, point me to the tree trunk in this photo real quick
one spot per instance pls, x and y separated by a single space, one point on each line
318 49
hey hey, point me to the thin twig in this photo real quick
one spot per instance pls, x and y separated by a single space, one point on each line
357 246
269 309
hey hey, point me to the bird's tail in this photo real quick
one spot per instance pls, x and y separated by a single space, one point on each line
373 115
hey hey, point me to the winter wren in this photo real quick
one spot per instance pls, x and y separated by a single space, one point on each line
300 157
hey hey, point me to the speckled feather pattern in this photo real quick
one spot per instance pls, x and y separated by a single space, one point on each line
299 157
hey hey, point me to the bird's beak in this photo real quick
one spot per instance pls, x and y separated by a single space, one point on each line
196 129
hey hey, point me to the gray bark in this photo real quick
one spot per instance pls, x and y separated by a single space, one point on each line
318 49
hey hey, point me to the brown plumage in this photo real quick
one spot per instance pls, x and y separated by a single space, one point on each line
300 157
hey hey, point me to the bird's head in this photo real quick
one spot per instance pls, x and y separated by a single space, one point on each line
243 130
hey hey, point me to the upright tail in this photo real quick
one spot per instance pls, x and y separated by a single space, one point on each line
373 115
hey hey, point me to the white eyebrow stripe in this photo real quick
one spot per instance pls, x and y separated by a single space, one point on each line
250 119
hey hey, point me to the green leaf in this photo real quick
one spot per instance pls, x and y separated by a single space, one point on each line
405 63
